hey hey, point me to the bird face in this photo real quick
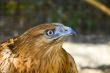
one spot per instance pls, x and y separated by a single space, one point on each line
47 33
43 37
58 31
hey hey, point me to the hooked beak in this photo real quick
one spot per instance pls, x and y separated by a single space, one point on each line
69 31
64 31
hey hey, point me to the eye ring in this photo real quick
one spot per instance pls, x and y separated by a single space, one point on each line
50 32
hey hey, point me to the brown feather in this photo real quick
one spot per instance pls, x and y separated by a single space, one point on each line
33 53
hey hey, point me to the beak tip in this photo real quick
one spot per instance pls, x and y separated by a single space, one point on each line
73 32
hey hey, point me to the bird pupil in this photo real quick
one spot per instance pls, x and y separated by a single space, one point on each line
50 32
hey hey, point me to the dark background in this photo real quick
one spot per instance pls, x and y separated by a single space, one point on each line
16 16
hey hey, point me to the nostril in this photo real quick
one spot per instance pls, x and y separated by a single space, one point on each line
66 30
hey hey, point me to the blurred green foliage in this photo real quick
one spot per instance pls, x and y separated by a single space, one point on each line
24 14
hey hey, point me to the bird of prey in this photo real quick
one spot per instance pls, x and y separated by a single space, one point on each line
38 50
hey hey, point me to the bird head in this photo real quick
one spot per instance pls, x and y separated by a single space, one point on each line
44 35
48 32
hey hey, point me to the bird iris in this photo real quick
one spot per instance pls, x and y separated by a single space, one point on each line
50 32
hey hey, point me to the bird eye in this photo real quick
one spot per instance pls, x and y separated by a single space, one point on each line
50 32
